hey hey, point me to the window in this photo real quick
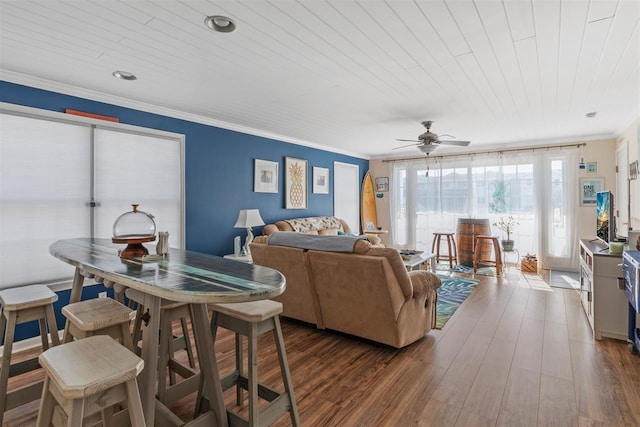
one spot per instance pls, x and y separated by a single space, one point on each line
538 189
52 166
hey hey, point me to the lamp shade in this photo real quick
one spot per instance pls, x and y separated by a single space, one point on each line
248 218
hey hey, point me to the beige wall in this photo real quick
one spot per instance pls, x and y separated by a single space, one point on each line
380 169
604 153
631 137
601 151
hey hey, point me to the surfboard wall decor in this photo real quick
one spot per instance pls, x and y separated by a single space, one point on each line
369 216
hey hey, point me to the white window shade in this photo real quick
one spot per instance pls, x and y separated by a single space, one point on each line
53 165
141 169
43 195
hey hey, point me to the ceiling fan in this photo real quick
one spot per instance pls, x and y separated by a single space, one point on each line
429 141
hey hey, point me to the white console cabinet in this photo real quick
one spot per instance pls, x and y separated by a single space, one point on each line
603 301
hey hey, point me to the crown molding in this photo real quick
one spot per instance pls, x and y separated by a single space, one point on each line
66 89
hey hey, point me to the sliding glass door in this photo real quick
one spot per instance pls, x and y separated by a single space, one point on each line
44 188
64 178
535 188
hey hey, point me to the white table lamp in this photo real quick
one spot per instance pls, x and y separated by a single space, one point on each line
248 218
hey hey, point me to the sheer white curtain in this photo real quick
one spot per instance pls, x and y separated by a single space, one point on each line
537 188
556 179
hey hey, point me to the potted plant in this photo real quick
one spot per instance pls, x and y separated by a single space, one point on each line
507 225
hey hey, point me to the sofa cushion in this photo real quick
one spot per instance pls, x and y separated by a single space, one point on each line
320 243
303 225
328 232
310 225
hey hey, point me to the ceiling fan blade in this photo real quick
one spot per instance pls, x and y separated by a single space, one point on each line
407 140
458 143
405 146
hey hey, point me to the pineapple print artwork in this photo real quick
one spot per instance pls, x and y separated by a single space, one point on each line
297 180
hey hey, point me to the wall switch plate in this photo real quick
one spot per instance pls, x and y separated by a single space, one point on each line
236 245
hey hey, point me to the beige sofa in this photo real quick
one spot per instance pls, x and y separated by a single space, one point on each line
367 293
322 225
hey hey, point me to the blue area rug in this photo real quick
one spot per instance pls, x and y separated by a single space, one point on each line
451 294
484 271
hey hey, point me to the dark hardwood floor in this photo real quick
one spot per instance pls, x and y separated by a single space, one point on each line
516 353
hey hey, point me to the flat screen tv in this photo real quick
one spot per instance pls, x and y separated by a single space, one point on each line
605 228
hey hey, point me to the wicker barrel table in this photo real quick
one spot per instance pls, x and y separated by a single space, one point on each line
466 232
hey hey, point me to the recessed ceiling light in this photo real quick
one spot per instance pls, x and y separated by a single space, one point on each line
591 114
219 23
124 75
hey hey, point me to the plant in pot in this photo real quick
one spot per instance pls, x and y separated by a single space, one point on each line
507 225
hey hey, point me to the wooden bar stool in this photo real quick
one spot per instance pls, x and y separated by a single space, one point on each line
21 305
89 376
477 255
98 316
170 311
252 319
452 251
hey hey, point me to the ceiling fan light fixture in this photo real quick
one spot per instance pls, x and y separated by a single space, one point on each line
124 75
220 24
429 141
427 148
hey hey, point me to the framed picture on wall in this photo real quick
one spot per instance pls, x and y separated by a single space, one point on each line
382 184
320 180
295 183
265 178
589 187
592 167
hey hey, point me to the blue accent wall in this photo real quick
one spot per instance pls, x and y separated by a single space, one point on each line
219 167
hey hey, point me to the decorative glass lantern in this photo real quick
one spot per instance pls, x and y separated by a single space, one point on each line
134 228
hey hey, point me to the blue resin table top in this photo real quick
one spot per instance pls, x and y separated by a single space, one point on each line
183 276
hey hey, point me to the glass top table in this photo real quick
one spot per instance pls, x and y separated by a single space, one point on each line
183 276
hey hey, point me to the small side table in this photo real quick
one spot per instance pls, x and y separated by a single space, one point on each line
376 232
420 259
504 256
241 258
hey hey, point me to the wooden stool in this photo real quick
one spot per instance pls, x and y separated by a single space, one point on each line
89 376
252 319
452 253
169 344
98 316
481 240
21 305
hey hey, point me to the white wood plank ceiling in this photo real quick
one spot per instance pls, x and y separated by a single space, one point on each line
351 76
